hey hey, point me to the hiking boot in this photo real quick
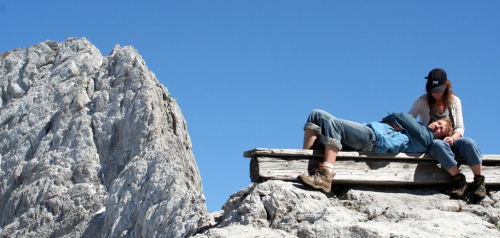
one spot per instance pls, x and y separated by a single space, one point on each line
459 187
321 180
479 188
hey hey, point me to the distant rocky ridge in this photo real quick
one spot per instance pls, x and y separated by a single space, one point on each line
94 146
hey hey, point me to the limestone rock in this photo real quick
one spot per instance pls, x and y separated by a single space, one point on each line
356 212
242 231
92 146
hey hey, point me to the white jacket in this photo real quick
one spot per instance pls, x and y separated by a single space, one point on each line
421 109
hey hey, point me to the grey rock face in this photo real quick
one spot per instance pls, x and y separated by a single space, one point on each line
357 212
92 146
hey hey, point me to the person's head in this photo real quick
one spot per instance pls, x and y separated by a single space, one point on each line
438 87
442 128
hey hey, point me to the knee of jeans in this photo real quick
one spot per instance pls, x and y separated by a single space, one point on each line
439 144
467 142
438 148
317 111
332 142
469 149
313 127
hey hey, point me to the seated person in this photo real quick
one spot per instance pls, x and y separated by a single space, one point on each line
396 133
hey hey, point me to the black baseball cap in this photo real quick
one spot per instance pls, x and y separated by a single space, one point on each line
436 81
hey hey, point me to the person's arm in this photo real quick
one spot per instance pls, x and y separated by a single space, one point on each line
451 139
418 107
457 115
415 109
458 129
423 134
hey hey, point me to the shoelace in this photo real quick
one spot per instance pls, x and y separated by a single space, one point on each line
317 176
317 179
478 186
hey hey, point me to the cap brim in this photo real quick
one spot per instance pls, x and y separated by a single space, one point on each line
438 89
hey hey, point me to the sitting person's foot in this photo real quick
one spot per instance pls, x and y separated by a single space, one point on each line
479 188
321 180
459 186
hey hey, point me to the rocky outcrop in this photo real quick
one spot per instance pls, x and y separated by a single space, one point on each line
92 146
286 209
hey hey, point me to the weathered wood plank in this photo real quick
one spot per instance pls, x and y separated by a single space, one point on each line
350 154
362 171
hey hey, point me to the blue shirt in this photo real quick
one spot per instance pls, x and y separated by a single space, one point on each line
390 140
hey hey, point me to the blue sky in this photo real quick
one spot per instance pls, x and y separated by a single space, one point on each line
247 73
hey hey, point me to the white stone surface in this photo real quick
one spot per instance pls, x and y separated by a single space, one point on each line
81 132
357 212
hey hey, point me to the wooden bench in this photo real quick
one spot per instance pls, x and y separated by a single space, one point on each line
363 167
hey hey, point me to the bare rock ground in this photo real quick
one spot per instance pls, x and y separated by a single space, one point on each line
359 211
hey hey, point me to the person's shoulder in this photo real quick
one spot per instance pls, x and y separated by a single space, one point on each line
455 99
422 99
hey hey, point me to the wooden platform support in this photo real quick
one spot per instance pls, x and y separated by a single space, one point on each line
363 167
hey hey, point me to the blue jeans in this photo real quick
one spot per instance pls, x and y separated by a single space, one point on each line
340 133
464 146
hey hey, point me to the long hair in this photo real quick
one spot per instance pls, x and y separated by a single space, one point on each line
447 96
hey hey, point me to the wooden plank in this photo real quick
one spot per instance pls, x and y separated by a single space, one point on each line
362 171
341 154
350 154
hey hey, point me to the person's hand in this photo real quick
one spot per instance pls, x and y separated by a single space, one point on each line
450 140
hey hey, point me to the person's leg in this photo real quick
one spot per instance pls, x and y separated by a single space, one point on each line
330 154
335 132
309 137
469 150
454 170
312 129
477 169
338 132
320 123
443 153
317 122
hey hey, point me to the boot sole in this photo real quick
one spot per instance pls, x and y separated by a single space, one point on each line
308 185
